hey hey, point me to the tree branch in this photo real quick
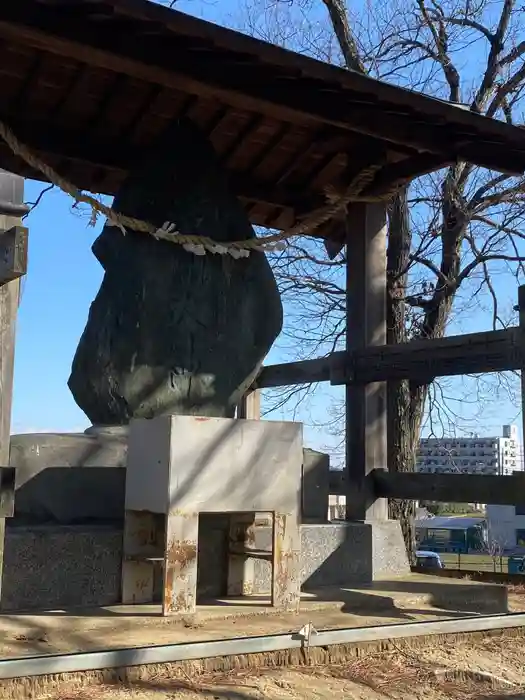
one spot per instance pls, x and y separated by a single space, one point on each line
345 38
493 61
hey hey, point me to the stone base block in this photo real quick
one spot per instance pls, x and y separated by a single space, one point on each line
78 478
50 566
68 478
339 554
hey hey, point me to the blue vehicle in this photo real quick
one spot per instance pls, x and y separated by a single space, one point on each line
516 565
428 560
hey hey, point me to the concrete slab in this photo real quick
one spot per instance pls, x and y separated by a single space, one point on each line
414 597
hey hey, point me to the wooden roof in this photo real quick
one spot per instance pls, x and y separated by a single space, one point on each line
89 84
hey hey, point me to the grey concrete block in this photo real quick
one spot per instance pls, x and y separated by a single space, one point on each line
315 486
190 464
69 478
56 566
79 478
338 554
389 557
68 566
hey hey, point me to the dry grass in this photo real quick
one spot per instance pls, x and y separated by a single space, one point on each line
391 669
393 675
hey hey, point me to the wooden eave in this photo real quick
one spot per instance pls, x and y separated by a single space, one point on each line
89 84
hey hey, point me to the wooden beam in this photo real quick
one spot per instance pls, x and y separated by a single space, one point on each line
250 406
302 372
451 488
397 174
424 360
521 309
473 353
11 189
13 254
161 56
366 426
61 143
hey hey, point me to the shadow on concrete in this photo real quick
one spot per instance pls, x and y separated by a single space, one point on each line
84 612
462 596
353 602
356 602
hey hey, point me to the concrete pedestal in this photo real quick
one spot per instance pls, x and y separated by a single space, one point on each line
90 561
69 507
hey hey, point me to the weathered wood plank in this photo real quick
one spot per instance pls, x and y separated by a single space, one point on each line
521 309
13 254
250 406
366 426
476 353
473 353
451 488
9 296
11 189
302 372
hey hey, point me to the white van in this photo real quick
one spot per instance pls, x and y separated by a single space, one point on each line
429 560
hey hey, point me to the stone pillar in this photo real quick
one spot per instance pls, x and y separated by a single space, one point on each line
180 563
286 562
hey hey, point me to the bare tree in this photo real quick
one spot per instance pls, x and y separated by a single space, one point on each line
453 235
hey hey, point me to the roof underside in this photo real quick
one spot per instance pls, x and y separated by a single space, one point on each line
91 84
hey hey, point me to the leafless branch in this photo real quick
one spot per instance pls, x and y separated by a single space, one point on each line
35 204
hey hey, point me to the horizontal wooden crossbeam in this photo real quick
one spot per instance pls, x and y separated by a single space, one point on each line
421 360
442 488
450 488
302 372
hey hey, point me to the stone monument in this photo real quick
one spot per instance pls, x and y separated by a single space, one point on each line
170 331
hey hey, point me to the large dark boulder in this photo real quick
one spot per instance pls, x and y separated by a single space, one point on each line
170 331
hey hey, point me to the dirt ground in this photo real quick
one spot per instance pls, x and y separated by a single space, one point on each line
123 626
491 668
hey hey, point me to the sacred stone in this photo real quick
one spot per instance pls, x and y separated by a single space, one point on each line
170 331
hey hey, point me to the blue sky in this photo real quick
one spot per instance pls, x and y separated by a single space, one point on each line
63 278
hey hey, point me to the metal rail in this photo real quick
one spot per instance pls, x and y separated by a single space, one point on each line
307 636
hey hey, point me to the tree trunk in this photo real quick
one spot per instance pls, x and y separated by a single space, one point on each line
406 400
403 423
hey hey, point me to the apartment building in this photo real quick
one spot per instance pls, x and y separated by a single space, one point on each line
499 455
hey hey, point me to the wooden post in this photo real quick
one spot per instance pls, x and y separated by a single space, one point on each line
250 406
13 264
366 425
521 309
